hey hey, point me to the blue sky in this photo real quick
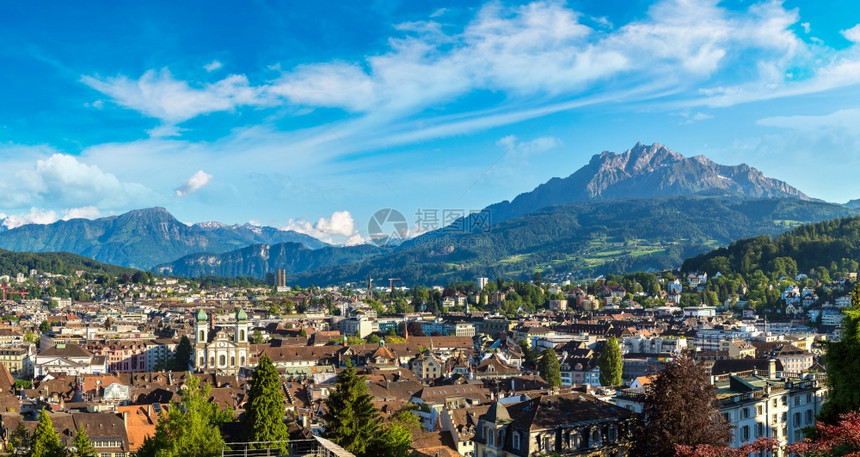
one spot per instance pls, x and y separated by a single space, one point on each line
313 116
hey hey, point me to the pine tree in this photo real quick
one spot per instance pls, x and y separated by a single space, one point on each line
351 420
549 368
46 441
183 355
843 363
83 446
264 412
611 364
681 408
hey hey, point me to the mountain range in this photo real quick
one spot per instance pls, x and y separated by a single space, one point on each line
648 207
142 238
647 172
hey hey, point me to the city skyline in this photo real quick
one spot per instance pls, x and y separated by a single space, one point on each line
312 118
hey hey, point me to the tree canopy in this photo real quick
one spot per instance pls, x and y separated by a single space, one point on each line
264 411
680 409
46 441
190 427
549 368
352 420
843 363
611 364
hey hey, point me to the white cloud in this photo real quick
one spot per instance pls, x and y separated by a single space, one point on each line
45 216
340 223
212 66
852 34
193 184
339 226
806 27
159 95
63 180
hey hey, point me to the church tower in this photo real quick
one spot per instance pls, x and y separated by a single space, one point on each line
201 337
241 335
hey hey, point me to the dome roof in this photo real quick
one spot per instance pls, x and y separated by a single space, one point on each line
201 316
240 315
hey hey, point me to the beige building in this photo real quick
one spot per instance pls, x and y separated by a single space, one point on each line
221 350
18 360
426 366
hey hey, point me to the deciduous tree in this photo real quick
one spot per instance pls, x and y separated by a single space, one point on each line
549 368
843 363
190 427
83 446
611 364
46 441
680 408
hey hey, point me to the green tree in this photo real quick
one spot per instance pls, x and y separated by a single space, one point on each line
681 408
256 337
529 354
549 368
264 412
351 420
183 354
83 446
395 439
610 363
843 363
19 440
190 427
46 441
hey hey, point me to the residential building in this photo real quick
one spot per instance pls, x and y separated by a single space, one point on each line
569 424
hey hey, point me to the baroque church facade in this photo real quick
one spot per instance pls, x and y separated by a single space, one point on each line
221 350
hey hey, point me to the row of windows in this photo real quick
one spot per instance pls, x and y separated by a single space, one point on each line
222 361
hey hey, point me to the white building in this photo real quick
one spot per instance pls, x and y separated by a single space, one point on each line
222 350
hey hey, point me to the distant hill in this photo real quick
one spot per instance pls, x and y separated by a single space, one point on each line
12 263
142 238
833 245
646 172
584 238
255 261
853 204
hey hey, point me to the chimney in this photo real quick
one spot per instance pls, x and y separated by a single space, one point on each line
771 369
125 419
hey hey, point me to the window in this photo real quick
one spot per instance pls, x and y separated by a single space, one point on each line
745 413
759 432
201 337
232 360
797 400
516 441
796 419
727 416
759 409
491 441
241 335
745 433
809 398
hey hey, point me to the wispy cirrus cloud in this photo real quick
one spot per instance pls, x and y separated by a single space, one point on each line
540 52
